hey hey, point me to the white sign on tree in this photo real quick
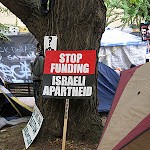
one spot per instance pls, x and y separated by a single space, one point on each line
50 42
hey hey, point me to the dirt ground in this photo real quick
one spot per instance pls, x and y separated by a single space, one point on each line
11 139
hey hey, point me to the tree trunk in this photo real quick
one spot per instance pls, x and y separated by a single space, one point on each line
79 25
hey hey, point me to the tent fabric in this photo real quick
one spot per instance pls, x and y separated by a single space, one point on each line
140 143
15 121
107 84
121 49
114 37
21 108
128 123
30 101
144 124
122 56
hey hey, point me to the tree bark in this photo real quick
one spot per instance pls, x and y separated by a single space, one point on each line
79 25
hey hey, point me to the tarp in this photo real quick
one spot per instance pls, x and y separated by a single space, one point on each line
121 49
15 57
12 121
21 108
107 84
114 37
128 123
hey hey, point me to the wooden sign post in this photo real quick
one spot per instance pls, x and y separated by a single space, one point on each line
65 124
68 75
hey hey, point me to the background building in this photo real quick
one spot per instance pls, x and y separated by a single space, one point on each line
8 18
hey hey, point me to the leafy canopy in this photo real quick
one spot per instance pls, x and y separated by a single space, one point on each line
128 11
2 26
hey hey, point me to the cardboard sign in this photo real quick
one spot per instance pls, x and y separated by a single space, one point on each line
69 74
50 43
33 127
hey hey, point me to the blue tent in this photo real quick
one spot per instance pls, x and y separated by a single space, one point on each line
107 84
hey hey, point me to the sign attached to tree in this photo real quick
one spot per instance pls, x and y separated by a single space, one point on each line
50 42
69 74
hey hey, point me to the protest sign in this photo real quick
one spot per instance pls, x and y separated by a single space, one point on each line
33 126
69 74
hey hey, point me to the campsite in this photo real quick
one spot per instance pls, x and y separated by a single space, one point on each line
74 75
109 84
15 113
11 136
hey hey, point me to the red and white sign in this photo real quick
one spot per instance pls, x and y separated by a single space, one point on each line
69 73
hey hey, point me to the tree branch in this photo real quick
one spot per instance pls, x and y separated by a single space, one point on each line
24 6
29 13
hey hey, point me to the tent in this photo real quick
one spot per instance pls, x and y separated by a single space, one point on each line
121 49
107 84
128 124
11 105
